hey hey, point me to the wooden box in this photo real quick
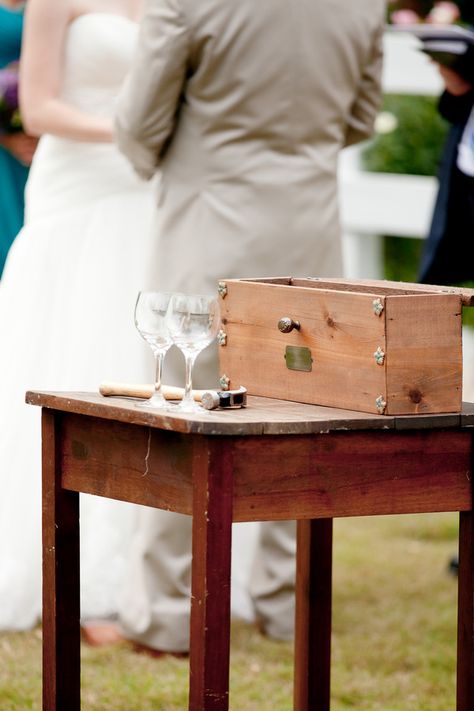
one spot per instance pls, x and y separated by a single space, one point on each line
374 346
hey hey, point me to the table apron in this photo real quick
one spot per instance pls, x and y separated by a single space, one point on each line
342 473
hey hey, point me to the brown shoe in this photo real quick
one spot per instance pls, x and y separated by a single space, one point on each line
101 634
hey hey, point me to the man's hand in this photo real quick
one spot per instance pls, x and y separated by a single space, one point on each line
20 145
454 83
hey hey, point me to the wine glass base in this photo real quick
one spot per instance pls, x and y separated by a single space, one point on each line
192 407
154 403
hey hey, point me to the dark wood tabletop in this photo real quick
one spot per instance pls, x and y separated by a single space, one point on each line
262 416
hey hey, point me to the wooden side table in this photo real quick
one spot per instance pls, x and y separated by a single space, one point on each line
274 460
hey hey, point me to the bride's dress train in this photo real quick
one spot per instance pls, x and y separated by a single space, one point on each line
66 318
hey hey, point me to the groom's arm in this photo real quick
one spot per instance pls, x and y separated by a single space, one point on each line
360 122
148 103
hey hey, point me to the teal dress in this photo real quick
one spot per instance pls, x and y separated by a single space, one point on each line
12 173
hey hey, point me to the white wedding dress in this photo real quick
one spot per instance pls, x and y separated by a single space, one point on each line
66 318
66 315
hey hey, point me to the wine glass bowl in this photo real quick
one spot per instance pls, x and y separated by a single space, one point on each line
193 322
150 321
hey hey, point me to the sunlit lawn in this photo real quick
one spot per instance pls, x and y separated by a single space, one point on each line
394 637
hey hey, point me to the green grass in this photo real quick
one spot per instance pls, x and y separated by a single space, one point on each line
394 637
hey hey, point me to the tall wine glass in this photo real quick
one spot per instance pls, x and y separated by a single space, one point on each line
150 321
193 322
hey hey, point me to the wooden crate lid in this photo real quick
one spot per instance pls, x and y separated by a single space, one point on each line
369 286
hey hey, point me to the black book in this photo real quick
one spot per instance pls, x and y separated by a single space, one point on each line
449 45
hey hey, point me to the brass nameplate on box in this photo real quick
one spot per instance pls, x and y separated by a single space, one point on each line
298 358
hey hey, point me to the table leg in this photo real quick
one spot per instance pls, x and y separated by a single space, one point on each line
465 667
313 615
61 597
210 599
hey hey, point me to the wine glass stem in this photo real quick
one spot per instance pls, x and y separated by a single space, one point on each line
158 369
188 390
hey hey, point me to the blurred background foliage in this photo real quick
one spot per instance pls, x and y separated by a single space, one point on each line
414 147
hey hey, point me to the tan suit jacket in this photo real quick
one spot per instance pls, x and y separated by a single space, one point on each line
243 106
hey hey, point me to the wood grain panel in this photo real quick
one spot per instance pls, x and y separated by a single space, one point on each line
312 679
210 598
121 461
262 416
424 354
339 329
61 596
352 474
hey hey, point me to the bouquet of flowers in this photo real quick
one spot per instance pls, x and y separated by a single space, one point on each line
10 120
408 12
